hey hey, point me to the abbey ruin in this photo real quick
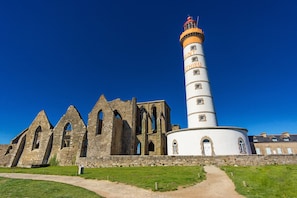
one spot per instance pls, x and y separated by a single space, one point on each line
114 128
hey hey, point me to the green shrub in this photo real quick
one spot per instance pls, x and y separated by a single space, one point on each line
53 161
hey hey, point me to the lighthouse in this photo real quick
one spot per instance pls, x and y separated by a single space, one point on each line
200 108
203 136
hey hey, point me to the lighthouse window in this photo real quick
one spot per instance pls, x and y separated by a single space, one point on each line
196 72
202 118
193 47
195 59
198 86
200 101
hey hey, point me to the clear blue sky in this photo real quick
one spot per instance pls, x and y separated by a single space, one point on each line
59 53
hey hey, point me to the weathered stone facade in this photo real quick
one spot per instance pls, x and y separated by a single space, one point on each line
153 123
114 128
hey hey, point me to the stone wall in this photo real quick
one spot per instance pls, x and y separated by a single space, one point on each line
240 160
153 123
4 160
68 137
36 142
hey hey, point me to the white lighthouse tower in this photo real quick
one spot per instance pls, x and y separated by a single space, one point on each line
200 108
203 135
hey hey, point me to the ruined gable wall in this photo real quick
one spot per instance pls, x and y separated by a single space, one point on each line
100 144
67 155
34 155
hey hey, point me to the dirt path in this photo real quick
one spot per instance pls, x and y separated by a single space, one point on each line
217 185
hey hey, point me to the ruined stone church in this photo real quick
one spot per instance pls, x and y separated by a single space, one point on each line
114 128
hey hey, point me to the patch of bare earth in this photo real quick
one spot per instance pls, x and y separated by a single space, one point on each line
217 184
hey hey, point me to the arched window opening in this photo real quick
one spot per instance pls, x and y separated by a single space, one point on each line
241 145
151 146
117 115
99 126
67 135
154 119
140 118
84 146
68 127
207 147
138 149
174 147
36 139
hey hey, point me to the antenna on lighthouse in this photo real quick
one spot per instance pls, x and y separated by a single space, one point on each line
197 20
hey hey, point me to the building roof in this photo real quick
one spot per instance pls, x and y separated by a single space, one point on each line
263 137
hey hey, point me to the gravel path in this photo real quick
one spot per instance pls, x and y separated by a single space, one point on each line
217 184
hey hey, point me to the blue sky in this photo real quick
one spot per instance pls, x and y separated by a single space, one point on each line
59 53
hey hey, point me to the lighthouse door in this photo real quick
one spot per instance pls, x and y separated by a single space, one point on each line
207 147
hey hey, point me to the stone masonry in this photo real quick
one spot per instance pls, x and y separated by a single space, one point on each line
114 128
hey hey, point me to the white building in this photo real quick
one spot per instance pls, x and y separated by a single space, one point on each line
203 136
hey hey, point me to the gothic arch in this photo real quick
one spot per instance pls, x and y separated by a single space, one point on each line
142 120
138 148
174 147
241 146
99 125
36 139
206 145
117 115
151 146
154 119
67 135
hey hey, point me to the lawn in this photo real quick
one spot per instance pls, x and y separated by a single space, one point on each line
264 181
36 189
167 178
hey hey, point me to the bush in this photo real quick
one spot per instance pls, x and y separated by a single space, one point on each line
53 161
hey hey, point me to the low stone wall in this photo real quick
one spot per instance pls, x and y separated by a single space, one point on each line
134 160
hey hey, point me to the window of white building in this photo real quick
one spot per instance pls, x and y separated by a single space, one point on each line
195 59
207 150
196 72
290 151
258 151
241 145
200 101
268 151
202 118
193 47
279 151
198 86
286 139
174 147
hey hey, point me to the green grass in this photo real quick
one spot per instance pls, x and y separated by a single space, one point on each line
168 178
264 181
51 170
35 189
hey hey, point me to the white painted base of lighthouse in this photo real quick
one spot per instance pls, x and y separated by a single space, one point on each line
208 141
